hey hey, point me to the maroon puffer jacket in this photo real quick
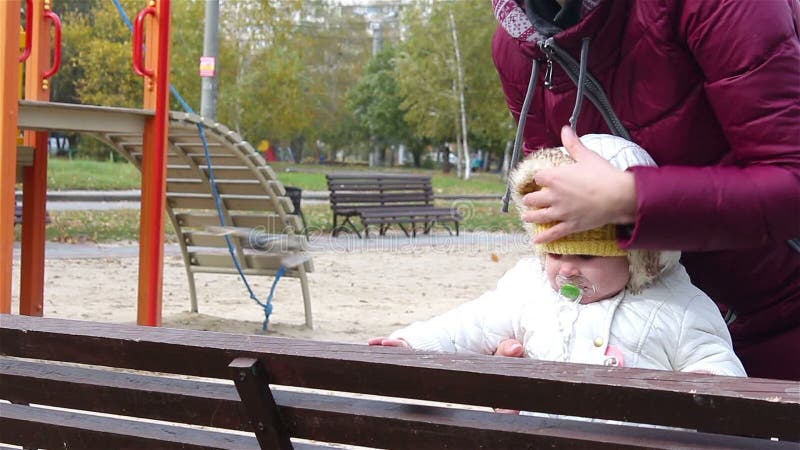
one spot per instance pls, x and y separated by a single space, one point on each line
712 90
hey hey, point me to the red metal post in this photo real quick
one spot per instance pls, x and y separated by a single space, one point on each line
34 184
154 163
9 119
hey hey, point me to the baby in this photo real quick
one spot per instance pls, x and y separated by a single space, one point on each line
583 299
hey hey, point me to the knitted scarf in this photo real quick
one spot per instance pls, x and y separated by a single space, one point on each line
516 23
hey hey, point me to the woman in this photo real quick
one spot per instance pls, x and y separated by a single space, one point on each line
712 91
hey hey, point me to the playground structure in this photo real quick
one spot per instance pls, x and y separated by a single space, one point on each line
160 147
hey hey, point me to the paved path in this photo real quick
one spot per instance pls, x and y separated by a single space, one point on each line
130 199
437 242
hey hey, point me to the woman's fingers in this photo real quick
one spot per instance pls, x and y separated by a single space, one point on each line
538 199
557 231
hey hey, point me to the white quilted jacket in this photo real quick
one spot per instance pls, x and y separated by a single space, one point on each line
671 325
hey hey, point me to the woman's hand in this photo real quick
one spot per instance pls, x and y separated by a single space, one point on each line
386 342
580 196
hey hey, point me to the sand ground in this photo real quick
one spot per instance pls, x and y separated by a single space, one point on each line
358 291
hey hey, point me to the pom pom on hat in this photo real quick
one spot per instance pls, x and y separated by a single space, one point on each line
645 265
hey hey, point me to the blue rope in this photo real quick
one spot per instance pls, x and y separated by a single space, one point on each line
267 306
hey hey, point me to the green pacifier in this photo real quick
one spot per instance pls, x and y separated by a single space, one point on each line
570 292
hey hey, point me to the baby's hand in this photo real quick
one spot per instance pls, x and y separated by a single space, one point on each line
510 347
386 342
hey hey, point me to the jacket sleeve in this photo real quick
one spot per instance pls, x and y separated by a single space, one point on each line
749 53
514 65
480 325
704 343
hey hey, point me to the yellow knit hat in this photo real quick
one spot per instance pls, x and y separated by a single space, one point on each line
645 265
598 242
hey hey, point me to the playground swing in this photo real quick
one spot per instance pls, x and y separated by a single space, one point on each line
257 239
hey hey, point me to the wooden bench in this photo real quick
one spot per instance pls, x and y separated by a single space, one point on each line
259 217
383 200
75 384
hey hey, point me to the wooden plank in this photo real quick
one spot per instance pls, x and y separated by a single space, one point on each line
708 403
224 187
48 428
372 175
264 203
264 222
253 239
255 262
36 115
230 270
183 171
408 198
322 417
216 160
122 393
194 145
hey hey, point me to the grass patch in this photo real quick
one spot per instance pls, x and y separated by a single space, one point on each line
96 226
85 174
123 224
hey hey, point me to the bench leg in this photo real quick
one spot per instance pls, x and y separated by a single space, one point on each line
428 227
335 230
404 230
301 270
259 404
192 287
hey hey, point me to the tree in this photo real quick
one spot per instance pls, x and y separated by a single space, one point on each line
334 48
376 101
428 75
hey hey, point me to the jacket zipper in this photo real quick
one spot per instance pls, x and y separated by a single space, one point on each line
595 91
548 74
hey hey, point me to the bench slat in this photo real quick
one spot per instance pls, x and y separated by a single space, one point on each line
238 187
709 403
181 171
194 146
322 417
267 223
256 241
253 264
263 203
48 428
413 197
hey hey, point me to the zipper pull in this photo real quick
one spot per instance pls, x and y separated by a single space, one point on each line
548 74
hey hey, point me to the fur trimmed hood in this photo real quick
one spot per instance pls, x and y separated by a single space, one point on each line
645 265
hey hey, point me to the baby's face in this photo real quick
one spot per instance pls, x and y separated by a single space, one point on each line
608 274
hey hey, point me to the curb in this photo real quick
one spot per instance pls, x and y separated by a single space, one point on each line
135 196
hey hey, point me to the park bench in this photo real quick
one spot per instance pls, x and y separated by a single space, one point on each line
75 384
18 215
265 233
382 200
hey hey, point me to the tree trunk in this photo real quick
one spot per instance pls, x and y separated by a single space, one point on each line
462 106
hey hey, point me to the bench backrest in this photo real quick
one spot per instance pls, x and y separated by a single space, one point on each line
718 407
354 190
